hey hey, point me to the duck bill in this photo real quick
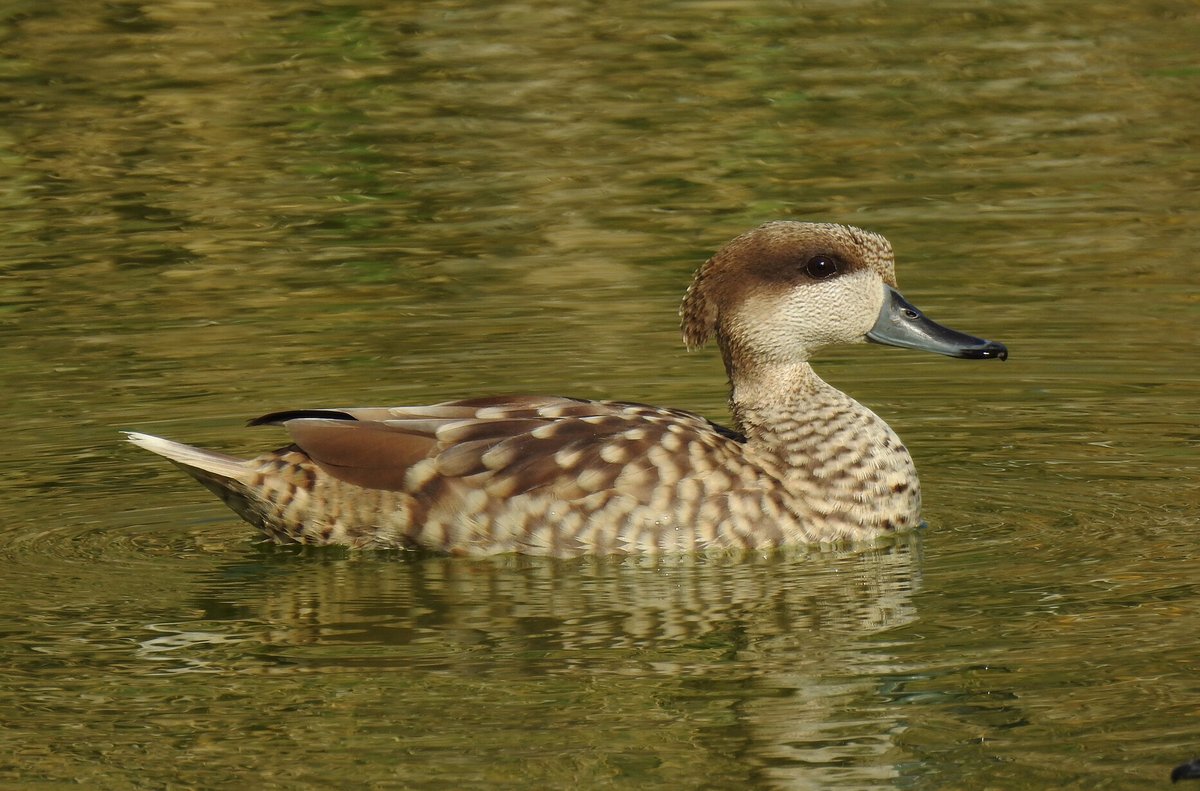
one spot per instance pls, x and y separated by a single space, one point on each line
901 324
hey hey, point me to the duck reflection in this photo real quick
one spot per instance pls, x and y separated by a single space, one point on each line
523 604
759 668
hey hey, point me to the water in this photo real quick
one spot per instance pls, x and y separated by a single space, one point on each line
212 212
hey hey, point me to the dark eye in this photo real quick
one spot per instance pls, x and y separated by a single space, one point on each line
821 266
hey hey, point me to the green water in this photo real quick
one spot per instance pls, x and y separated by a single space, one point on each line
213 211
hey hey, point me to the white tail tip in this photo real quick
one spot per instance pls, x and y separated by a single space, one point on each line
188 456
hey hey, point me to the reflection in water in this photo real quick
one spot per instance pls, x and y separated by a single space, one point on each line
764 657
593 602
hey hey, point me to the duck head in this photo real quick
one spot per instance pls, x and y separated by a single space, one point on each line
780 292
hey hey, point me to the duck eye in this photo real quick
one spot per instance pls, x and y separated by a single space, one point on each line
821 267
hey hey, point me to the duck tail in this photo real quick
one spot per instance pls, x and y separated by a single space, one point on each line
238 482
206 466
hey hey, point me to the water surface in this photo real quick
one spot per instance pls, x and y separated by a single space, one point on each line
216 211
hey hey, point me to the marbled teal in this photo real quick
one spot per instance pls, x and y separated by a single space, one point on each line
547 475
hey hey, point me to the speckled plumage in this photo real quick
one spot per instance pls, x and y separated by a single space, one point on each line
558 476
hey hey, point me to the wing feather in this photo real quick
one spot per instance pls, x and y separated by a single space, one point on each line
513 445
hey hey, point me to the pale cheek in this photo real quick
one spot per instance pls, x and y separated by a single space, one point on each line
841 311
792 325
864 307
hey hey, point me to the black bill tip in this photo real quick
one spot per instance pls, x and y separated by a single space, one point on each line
989 350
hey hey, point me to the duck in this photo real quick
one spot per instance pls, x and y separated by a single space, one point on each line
803 464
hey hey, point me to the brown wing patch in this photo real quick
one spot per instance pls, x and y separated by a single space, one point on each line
508 446
365 454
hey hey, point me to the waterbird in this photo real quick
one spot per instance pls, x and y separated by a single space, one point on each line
803 464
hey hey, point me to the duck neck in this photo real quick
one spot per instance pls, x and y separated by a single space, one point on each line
770 398
788 412
831 452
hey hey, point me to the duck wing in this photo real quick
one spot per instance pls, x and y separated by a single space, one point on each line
510 445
